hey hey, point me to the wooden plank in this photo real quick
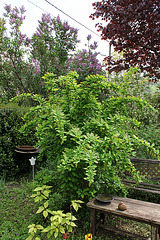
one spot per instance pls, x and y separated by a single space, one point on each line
145 190
121 232
141 183
138 202
140 160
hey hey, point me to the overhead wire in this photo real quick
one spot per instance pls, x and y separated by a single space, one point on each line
72 18
67 16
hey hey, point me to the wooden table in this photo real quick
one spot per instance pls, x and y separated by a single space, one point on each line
139 211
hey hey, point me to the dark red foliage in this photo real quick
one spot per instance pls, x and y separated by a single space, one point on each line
132 26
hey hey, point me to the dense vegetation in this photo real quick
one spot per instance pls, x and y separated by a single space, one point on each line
87 123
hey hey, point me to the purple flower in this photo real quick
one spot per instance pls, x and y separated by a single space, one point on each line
94 45
15 10
22 9
7 8
28 40
66 26
89 37
12 20
58 19
21 38
46 18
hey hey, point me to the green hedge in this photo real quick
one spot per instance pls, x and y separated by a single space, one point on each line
10 137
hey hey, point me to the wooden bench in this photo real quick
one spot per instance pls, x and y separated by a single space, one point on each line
139 211
150 169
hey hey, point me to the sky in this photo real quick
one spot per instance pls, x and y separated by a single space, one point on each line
79 10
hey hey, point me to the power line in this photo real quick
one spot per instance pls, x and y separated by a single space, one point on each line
67 16
72 18
37 6
64 14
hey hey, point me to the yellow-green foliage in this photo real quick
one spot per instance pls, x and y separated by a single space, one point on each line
87 133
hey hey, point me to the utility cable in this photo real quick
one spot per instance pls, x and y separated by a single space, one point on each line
72 18
67 16
37 6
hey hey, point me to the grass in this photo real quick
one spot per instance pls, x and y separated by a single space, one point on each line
17 211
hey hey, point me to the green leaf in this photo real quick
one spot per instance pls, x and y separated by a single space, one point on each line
75 206
69 229
46 193
54 218
47 229
49 211
73 224
40 209
46 204
39 227
35 230
34 195
48 187
45 214
49 234
31 230
78 201
59 219
31 226
62 230
29 238
38 189
38 198
56 234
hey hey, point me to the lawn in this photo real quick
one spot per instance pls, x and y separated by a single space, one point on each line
16 210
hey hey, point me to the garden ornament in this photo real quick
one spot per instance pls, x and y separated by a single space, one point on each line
32 162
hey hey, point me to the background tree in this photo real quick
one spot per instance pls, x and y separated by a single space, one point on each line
52 42
25 60
134 28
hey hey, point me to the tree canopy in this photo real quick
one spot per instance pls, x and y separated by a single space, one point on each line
51 48
133 28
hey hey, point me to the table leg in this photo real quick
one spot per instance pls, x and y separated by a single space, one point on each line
154 232
93 221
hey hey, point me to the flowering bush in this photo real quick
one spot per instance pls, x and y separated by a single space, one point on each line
85 62
24 60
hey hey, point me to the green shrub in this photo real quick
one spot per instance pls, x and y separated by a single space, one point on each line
84 134
10 137
58 223
151 133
